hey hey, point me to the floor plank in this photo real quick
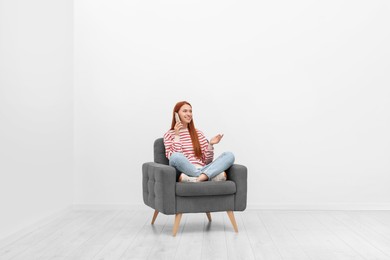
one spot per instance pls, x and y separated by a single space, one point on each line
189 246
238 244
146 238
42 240
354 240
263 247
166 244
263 234
315 244
369 218
72 243
214 242
322 233
377 240
288 246
118 245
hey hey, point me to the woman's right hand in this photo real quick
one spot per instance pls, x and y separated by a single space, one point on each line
177 127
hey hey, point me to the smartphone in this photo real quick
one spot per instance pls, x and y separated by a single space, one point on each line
177 117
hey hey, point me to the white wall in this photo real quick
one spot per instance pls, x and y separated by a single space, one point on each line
300 89
36 111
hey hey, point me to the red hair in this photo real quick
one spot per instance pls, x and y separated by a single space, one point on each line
191 129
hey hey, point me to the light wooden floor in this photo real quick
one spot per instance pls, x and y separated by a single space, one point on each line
263 234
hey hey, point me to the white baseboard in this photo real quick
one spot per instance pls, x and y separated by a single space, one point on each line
254 206
109 207
7 239
331 206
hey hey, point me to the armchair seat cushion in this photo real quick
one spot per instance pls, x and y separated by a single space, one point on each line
206 188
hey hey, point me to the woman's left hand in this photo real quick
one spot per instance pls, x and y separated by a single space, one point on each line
216 139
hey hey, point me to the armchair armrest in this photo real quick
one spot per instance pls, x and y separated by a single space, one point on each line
239 174
158 186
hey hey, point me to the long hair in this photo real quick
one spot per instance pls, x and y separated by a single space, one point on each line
191 129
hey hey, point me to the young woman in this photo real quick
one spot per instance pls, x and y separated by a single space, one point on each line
190 152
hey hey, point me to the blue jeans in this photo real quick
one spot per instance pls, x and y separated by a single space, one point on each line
182 164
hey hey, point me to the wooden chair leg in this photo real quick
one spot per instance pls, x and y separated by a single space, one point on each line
233 220
154 216
208 216
177 223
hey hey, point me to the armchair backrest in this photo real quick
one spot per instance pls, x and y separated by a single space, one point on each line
159 152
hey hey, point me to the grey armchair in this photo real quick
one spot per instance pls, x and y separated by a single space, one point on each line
164 194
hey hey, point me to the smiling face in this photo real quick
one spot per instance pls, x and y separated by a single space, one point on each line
185 113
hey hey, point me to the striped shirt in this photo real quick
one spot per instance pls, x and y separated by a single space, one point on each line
183 145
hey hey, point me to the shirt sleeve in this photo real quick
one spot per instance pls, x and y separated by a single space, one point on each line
207 154
172 144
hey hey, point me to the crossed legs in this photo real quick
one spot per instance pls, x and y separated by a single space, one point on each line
209 171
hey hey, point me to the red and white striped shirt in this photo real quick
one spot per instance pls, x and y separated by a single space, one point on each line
184 146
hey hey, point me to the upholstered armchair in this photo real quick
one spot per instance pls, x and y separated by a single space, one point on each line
164 194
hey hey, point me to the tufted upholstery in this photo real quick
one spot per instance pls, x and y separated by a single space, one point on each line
159 183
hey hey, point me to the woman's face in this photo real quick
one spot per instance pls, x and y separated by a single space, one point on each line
185 113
